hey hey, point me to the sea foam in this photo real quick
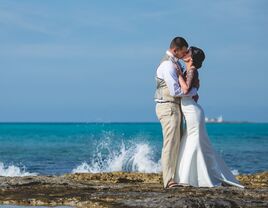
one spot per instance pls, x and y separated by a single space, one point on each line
235 172
13 171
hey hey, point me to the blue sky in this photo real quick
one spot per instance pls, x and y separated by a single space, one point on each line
68 60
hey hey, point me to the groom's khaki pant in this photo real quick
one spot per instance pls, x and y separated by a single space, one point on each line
169 115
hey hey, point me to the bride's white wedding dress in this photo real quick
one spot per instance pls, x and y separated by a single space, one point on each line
198 164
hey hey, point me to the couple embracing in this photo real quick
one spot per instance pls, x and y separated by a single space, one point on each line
188 157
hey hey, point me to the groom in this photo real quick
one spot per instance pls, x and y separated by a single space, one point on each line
168 110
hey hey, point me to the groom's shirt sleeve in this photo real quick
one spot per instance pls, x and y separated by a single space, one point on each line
171 79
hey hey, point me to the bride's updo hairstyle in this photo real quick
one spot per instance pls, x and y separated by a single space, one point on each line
198 56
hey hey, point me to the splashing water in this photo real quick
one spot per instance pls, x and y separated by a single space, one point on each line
138 157
13 170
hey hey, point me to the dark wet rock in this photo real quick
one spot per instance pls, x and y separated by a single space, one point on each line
121 189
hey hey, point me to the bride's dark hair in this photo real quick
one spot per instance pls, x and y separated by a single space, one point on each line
198 56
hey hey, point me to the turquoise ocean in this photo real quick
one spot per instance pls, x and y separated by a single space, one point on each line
59 148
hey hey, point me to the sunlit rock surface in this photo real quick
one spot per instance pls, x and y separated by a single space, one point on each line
121 189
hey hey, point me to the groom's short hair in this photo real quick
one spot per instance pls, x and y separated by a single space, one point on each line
178 42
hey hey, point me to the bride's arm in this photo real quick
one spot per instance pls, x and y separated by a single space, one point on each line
183 84
186 85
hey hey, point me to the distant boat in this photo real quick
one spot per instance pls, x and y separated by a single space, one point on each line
214 120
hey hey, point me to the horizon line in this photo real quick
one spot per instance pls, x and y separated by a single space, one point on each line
111 122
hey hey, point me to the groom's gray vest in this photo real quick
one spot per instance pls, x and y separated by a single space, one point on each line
162 93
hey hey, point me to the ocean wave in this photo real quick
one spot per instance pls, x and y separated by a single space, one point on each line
137 157
13 171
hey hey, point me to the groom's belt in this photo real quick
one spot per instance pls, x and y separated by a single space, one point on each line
166 101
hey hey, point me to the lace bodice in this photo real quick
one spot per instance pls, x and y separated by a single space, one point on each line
191 78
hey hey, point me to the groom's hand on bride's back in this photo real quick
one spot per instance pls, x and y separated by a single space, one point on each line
196 97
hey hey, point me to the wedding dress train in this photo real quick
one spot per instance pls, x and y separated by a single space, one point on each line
198 164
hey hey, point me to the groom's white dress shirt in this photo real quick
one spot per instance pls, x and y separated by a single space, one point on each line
167 71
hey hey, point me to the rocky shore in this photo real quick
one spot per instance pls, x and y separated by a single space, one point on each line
122 190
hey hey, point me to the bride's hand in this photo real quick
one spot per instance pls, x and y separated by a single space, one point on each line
179 72
178 69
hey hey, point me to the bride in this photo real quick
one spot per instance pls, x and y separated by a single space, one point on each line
198 164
